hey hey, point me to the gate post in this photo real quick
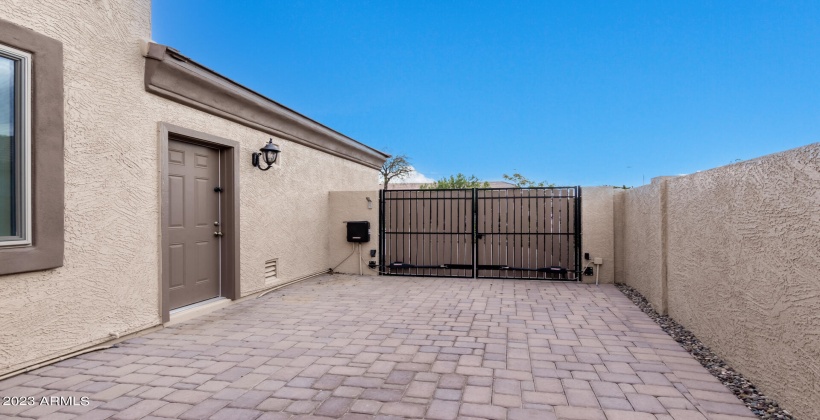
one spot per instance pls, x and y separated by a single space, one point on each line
578 234
474 227
381 232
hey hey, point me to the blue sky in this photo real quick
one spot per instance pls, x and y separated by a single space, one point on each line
575 93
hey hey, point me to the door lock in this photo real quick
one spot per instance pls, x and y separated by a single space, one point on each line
216 223
217 233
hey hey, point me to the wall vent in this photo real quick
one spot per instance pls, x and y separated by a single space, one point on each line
271 268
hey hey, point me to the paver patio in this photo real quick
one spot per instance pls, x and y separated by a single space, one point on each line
391 347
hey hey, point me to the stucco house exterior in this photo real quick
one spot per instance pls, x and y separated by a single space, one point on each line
128 185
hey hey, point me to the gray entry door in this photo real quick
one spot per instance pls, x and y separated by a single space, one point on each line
193 221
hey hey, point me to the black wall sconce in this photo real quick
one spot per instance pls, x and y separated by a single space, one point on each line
269 153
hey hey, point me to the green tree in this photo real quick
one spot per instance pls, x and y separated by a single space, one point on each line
521 181
456 182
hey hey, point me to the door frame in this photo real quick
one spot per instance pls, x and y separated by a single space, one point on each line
229 210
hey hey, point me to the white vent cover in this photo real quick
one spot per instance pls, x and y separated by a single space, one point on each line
271 269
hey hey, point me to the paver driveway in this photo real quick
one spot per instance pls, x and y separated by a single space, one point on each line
357 347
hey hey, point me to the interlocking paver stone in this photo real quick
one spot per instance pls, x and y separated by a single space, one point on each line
646 403
250 399
676 403
609 403
686 415
120 403
383 395
187 396
274 404
482 411
402 409
111 393
236 414
365 406
606 389
97 414
448 394
418 389
452 381
724 408
301 407
348 391
301 382
530 414
505 400
295 393
478 394
443 410
328 382
627 415
334 407
579 413
172 410
205 409
548 398
355 347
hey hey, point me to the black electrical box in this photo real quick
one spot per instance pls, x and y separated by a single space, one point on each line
358 231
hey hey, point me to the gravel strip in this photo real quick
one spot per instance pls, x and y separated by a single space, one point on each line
763 406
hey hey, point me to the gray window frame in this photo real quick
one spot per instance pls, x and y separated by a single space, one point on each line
22 140
46 139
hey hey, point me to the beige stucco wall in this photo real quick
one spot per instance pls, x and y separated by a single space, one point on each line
352 206
618 232
743 257
110 280
597 218
744 269
641 258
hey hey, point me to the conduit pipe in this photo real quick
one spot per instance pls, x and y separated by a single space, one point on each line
55 360
116 338
309 276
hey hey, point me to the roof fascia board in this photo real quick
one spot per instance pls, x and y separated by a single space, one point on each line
170 75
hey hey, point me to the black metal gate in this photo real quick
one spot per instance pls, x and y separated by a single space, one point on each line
426 233
516 233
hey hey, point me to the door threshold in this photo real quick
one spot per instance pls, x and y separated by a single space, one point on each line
194 310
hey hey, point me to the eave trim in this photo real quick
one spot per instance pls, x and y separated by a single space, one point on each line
175 77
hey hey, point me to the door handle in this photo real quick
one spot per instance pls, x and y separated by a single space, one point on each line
217 233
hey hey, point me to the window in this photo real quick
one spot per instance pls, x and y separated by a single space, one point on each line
15 147
32 178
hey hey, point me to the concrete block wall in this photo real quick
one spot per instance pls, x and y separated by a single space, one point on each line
733 254
348 206
641 258
598 232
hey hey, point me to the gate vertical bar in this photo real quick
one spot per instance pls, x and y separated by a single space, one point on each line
578 236
474 228
381 232
423 235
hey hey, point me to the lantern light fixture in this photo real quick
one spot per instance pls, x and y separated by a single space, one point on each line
269 153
